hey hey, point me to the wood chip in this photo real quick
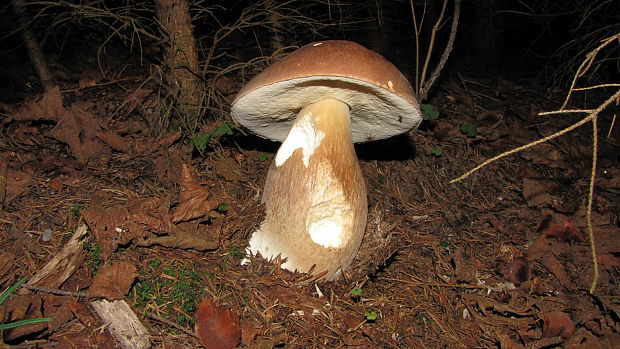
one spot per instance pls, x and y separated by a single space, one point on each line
122 323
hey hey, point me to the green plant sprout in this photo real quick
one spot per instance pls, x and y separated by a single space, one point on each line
370 315
75 210
200 142
423 318
263 157
356 292
155 263
437 152
223 208
469 130
224 129
18 323
428 112
94 255
233 252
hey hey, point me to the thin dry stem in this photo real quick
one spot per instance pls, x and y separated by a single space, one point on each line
586 64
423 93
431 45
590 199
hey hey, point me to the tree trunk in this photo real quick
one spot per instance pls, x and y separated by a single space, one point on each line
181 56
37 59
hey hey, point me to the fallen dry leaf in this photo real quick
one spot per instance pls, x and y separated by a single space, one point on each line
55 307
228 169
17 183
536 194
518 270
557 323
115 141
545 154
135 98
113 281
47 107
194 198
21 307
565 231
217 327
77 129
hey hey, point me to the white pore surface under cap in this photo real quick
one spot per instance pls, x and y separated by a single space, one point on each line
376 112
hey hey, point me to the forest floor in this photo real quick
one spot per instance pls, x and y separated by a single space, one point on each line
500 259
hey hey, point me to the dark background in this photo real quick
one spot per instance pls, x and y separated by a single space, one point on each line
543 41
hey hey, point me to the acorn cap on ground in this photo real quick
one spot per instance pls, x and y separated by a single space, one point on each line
381 101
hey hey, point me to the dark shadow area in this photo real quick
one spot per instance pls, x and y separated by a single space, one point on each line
400 147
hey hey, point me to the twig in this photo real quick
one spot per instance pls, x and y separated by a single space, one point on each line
431 44
444 57
55 291
591 114
545 343
435 284
172 324
590 199
423 93
586 64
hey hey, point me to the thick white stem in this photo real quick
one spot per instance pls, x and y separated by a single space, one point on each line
315 195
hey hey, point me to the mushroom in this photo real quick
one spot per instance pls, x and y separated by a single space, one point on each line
318 101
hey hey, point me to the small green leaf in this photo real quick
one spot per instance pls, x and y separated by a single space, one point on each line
428 112
224 129
423 318
200 142
437 152
75 210
370 315
155 263
443 244
356 291
469 130
263 157
223 208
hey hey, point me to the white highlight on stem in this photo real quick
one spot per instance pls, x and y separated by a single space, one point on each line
329 212
302 135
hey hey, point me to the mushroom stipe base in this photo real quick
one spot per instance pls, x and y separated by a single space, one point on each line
315 195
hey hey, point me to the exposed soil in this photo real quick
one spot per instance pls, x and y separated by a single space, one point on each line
500 259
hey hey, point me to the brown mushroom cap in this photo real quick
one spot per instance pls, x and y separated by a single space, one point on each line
380 98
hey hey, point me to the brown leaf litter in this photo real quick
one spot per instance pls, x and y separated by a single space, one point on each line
217 327
500 259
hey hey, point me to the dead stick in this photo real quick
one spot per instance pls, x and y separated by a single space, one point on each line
172 324
54 291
